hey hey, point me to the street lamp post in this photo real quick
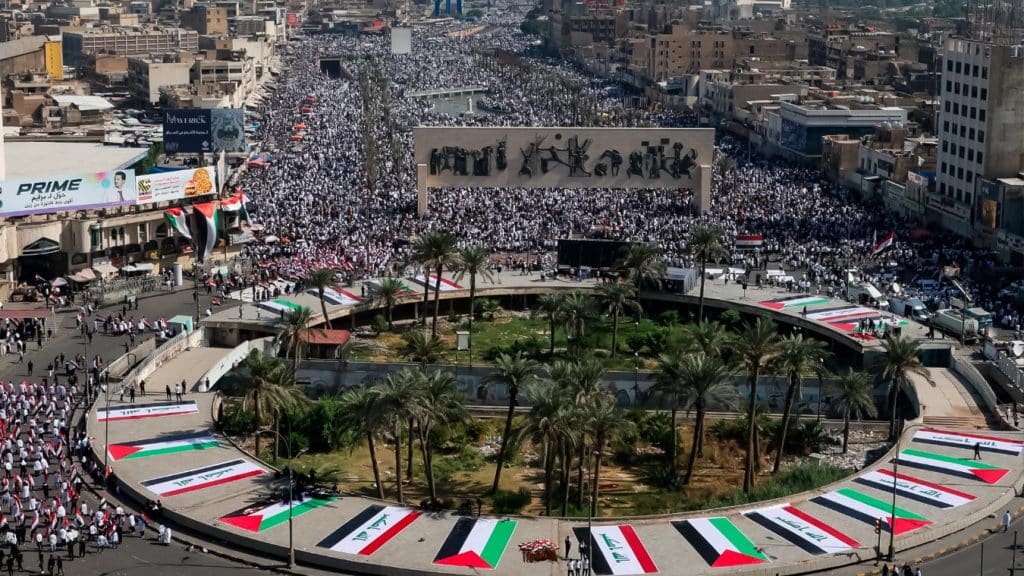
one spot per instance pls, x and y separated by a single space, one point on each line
821 369
636 379
895 477
291 494
106 427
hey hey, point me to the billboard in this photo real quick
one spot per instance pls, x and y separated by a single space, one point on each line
67 193
200 130
401 40
54 58
176 185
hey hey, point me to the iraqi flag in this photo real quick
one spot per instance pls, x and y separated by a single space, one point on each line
749 241
161 447
617 550
260 518
476 543
369 530
813 535
236 204
178 220
204 228
201 478
883 244
915 489
966 440
973 469
720 542
868 509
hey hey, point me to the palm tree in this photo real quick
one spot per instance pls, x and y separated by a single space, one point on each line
617 299
295 330
580 380
436 250
362 409
267 389
389 290
577 309
440 403
758 344
550 305
549 425
606 422
473 260
705 379
901 359
797 357
643 265
854 394
321 279
669 384
399 401
418 347
514 372
705 244
711 338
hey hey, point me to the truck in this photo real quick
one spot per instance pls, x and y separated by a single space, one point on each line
950 321
865 293
909 307
984 317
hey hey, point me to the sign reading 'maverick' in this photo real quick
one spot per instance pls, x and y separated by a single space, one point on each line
140 411
476 543
369 530
867 509
973 469
161 446
266 515
916 489
811 534
966 440
720 542
619 551
200 478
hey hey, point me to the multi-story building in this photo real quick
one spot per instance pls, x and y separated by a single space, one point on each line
148 74
125 42
979 128
839 48
796 130
206 20
685 51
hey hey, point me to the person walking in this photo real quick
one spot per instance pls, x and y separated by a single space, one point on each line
167 389
131 395
568 546
177 393
1006 520
142 387
29 366
977 450
60 567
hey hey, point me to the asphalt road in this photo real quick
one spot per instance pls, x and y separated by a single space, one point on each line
136 556
990 557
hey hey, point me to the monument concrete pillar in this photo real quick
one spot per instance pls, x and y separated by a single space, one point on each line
702 191
422 171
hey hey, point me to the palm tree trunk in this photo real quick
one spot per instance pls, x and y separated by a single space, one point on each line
408 462
780 449
373 464
615 333
748 471
549 466
892 410
700 300
391 324
437 300
673 448
426 293
472 311
551 352
277 438
500 461
323 308
566 473
428 470
398 461
582 455
256 410
846 428
698 433
597 479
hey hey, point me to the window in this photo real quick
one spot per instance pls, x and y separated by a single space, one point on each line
945 146
974 91
943 167
970 176
984 71
161 231
963 131
960 152
956 88
980 157
981 135
945 126
959 195
958 68
967 197
970 134
947 106
942 188
949 65
970 154
949 85
974 71
981 114
974 112
956 109
984 93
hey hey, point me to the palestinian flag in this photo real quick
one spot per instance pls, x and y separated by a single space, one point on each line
200 478
797 301
236 204
842 313
868 509
204 228
616 550
476 543
369 530
973 469
178 220
281 305
720 542
161 447
810 534
749 241
967 440
915 489
260 518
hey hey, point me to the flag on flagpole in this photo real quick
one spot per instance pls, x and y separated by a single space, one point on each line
885 243
237 203
204 228
178 220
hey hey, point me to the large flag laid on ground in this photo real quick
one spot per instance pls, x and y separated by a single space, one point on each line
161 446
968 440
200 478
867 509
369 530
973 469
720 542
204 228
178 220
141 411
915 488
796 301
617 551
265 516
811 534
476 543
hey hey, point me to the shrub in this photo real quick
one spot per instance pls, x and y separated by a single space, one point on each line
669 318
508 502
239 421
380 324
734 429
